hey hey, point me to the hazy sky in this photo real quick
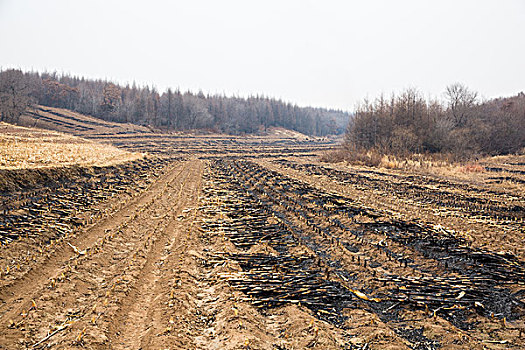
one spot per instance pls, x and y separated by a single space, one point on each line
322 53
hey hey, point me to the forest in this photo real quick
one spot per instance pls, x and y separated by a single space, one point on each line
462 125
170 110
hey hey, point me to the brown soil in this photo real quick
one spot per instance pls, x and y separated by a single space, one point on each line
251 243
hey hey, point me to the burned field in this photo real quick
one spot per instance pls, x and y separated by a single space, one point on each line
406 273
251 243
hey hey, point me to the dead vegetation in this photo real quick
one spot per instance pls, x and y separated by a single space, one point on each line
29 148
218 242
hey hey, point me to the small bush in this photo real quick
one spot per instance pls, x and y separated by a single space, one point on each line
370 158
472 168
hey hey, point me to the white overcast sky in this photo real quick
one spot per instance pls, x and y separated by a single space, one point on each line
322 53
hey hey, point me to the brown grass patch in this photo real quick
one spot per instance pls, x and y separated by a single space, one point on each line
369 158
24 148
472 168
378 159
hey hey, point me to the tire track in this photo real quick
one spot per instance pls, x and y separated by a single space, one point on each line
64 269
136 322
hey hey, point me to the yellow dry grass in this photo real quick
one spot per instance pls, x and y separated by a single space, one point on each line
287 133
23 148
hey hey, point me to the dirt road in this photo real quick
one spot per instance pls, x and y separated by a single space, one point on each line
115 271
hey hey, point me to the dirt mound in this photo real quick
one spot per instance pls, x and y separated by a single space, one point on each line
70 122
25 179
287 133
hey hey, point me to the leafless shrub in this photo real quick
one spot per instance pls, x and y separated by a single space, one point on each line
461 127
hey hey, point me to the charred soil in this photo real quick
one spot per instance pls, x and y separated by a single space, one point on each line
215 242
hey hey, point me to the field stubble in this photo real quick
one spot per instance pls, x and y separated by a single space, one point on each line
224 243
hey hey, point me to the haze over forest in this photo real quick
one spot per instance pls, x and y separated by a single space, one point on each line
329 54
433 78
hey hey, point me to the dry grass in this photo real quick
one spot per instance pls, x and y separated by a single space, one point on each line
23 148
443 166
412 162
369 158
279 132
416 162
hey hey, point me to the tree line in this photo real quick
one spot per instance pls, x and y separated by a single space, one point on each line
461 125
169 110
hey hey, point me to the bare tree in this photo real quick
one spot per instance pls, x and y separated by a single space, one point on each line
112 98
14 95
196 112
171 109
460 102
